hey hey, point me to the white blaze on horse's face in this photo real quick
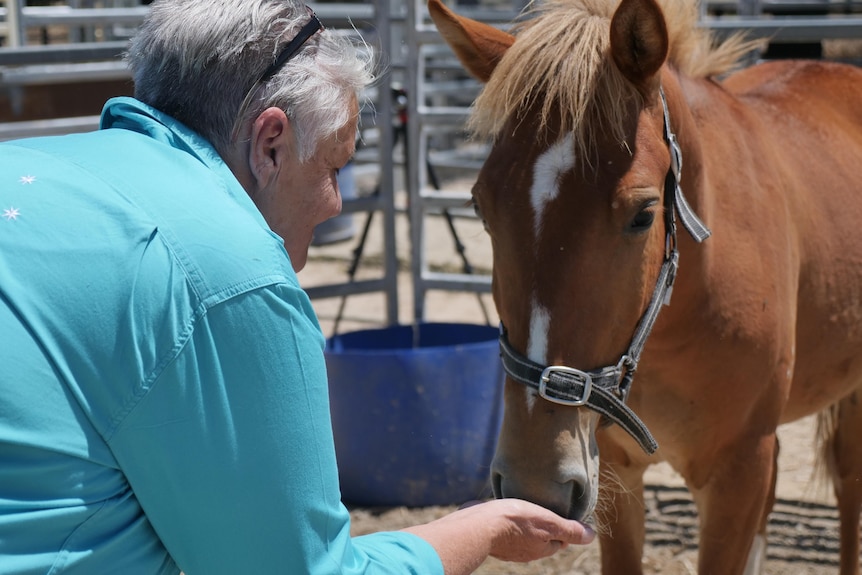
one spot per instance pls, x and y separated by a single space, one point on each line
547 172
537 345
573 464
549 169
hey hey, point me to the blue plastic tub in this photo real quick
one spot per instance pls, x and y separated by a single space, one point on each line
415 425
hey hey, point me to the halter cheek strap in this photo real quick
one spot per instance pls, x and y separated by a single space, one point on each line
689 219
605 390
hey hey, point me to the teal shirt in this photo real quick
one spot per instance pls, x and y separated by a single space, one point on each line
163 392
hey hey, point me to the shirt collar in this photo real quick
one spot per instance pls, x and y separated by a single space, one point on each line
130 114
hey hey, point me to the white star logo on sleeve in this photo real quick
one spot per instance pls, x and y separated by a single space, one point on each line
11 214
27 179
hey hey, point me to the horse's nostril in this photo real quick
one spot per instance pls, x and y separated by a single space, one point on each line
581 499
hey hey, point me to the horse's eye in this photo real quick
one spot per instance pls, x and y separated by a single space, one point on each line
643 220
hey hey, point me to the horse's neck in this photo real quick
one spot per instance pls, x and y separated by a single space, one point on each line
706 115
724 143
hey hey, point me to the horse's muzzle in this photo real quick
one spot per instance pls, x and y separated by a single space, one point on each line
573 498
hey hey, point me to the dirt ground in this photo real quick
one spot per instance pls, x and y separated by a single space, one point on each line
804 526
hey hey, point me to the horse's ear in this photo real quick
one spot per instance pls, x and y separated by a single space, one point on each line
639 41
478 46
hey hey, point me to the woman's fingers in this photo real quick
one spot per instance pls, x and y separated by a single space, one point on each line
535 532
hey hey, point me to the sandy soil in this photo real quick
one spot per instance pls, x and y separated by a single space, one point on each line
803 531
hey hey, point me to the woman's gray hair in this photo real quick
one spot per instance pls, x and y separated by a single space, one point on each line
196 60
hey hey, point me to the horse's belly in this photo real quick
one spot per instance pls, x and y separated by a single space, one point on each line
813 392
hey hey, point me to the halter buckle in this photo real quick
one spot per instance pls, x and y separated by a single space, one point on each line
581 377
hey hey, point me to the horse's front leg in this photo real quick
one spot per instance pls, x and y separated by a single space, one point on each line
620 512
733 506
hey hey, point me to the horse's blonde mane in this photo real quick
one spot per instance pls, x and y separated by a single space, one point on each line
562 56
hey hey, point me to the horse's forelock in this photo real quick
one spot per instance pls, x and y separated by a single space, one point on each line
561 61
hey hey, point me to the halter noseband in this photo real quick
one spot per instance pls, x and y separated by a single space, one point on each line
605 390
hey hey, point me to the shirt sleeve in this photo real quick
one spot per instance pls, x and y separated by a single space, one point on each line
230 451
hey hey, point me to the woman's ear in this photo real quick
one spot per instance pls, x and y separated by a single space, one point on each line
271 142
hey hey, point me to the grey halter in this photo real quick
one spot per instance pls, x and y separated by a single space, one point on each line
605 390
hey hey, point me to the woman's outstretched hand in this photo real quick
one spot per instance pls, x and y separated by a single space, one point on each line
508 529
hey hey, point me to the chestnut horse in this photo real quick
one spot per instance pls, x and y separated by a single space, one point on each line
592 106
